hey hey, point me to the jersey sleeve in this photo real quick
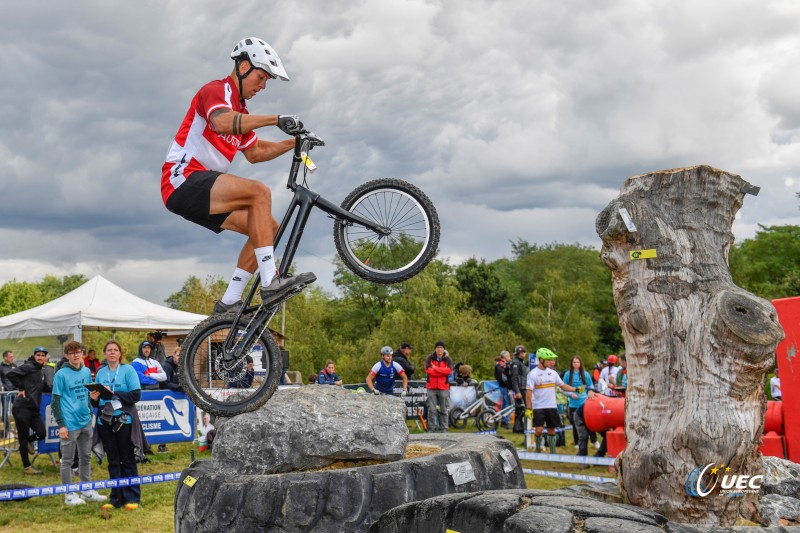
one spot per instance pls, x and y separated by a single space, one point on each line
248 141
559 381
398 368
375 368
212 96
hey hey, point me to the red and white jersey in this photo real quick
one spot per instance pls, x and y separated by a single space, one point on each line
197 146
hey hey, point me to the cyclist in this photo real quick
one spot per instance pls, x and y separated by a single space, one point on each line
541 397
195 183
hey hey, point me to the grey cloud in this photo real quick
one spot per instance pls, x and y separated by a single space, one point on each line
520 119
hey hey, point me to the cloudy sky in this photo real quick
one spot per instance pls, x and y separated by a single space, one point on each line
520 119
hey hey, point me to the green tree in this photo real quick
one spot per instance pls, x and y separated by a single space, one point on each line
314 334
579 270
198 296
16 296
768 265
481 282
429 308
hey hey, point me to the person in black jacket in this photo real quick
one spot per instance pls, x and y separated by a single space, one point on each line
519 384
172 369
400 357
502 373
29 380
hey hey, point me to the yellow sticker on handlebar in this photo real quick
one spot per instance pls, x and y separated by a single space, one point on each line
309 163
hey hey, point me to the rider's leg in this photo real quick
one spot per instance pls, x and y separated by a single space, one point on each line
236 195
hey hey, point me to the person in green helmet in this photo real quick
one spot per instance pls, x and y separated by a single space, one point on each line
540 398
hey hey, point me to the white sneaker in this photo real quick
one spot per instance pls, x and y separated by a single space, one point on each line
93 496
73 499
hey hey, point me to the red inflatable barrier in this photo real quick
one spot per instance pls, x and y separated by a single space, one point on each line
773 418
616 441
772 445
604 412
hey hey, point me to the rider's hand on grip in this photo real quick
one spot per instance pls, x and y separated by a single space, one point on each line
290 124
528 413
376 392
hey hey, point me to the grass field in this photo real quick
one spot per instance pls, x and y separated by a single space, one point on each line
49 514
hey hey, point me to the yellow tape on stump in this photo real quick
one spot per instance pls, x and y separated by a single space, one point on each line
643 254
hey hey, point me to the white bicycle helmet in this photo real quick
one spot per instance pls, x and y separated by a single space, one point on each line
260 55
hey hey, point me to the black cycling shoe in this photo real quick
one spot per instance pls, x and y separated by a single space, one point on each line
283 288
221 308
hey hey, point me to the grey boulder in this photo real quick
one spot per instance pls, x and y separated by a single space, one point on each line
311 427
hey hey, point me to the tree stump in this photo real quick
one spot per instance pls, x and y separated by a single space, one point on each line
697 345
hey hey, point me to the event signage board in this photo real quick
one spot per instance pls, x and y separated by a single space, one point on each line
166 416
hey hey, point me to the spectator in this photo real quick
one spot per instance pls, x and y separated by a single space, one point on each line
328 375
438 366
502 373
149 370
598 368
237 380
775 386
92 362
72 411
172 367
380 379
29 380
541 398
621 378
582 382
464 376
207 432
607 375
6 365
312 379
400 357
115 421
519 379
158 354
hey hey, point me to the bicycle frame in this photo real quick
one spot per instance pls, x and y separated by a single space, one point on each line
300 207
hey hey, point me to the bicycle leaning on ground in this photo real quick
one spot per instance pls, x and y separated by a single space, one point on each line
385 231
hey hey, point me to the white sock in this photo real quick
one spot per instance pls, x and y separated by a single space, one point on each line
236 286
266 264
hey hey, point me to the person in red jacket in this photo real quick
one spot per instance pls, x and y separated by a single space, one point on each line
438 367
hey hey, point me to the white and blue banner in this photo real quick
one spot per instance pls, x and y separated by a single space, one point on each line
167 416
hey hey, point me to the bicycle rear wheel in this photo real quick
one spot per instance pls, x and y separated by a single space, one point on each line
455 418
228 391
414 237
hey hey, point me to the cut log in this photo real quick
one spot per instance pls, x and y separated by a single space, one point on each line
697 345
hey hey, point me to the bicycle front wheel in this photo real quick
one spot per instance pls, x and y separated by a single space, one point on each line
228 390
487 421
414 231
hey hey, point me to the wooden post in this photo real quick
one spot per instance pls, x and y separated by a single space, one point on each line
697 345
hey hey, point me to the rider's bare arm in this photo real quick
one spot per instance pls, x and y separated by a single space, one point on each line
267 150
226 121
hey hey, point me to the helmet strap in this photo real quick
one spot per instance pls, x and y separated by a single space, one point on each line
241 76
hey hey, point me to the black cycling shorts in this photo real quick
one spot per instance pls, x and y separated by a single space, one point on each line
548 416
192 200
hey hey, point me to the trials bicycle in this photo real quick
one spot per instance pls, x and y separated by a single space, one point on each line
386 231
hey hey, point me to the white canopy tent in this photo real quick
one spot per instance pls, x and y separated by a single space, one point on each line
96 305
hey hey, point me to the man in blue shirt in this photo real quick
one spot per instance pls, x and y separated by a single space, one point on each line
380 379
73 413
